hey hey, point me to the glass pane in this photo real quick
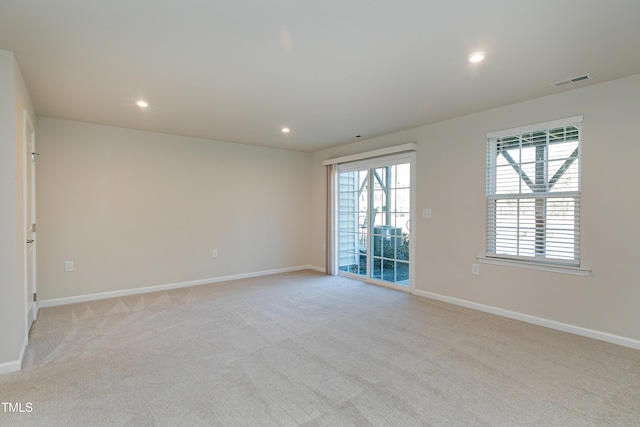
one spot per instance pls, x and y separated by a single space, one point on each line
403 176
376 268
363 177
363 240
562 150
528 155
388 270
509 153
380 177
402 221
507 180
351 221
528 184
565 180
402 200
560 228
402 273
402 250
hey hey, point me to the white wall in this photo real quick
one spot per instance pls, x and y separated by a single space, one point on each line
451 181
134 209
14 99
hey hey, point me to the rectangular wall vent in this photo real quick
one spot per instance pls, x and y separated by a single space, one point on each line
571 80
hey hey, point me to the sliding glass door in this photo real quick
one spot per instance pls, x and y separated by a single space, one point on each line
374 220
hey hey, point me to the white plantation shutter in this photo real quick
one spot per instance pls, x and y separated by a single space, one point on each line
533 192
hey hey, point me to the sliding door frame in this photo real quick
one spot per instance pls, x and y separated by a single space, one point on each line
370 164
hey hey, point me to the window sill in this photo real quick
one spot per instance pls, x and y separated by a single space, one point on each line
574 271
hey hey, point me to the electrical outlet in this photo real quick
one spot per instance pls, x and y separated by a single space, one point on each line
68 266
426 213
475 268
214 254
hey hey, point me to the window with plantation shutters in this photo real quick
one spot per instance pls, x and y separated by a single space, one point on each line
533 193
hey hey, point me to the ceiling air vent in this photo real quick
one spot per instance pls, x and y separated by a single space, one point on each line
571 80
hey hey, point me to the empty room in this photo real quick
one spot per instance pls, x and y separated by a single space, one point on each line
319 213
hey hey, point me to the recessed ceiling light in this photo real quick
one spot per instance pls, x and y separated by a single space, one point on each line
142 104
476 56
286 130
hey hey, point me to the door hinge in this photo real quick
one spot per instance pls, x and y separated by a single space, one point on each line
33 228
35 296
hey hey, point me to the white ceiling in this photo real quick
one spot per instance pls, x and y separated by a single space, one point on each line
241 70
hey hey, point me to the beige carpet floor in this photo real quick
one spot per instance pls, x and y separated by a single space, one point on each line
312 350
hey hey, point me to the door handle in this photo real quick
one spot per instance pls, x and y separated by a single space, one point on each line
30 241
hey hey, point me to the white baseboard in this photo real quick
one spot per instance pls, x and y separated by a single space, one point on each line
564 327
15 365
315 268
8 367
135 291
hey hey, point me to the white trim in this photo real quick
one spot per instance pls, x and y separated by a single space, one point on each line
376 282
32 314
147 289
377 162
412 146
315 268
559 326
25 343
25 273
331 220
564 269
28 138
16 365
535 127
415 224
390 285
8 367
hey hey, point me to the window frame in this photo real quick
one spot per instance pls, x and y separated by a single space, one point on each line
540 260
